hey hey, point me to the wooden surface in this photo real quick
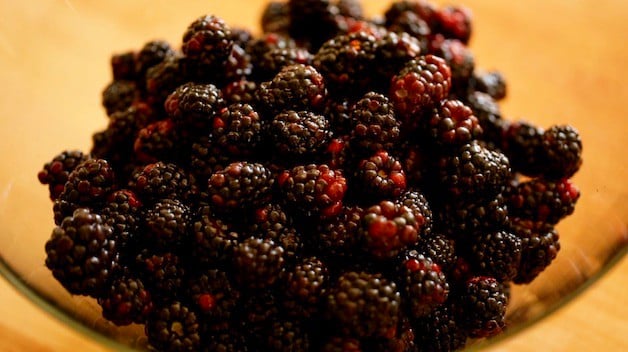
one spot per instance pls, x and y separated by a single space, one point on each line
588 35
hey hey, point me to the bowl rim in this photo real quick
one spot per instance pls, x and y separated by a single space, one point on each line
92 334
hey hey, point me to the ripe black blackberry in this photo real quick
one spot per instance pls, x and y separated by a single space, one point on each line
273 60
82 253
212 294
522 142
237 129
421 84
205 159
347 62
474 171
424 9
440 248
163 274
423 283
388 228
411 23
380 176
362 305
162 79
338 111
417 161
375 126
482 306
240 185
543 200
89 183
160 180
489 116
241 91
214 241
350 8
275 18
257 263
337 238
312 22
313 190
174 327
492 83
342 344
166 223
192 106
259 46
440 330
461 61
238 66
157 141
269 220
454 22
207 44
119 95
298 134
123 66
452 124
151 54
540 244
288 336
393 51
122 212
305 284
562 151
462 218
55 172
496 254
295 87
421 210
126 301
230 340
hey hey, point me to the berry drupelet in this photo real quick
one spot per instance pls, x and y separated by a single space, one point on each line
543 200
240 185
298 135
423 284
375 126
82 253
380 176
55 173
174 327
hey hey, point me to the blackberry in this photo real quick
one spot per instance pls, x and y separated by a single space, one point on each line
342 344
424 9
258 262
543 200
237 129
119 95
122 213
337 238
338 111
259 46
151 54
166 223
288 336
238 66
350 8
380 176
461 61
441 249
562 151
402 341
417 163
295 87
163 274
496 254
338 154
269 220
55 173
452 124
240 185
89 183
421 84
229 340
205 159
192 106
241 36
540 244
82 253
454 22
123 66
489 116
312 22
440 331
214 297
214 241
375 126
421 209
160 180
274 59
298 134
492 83
275 17
423 283
393 49
463 218
313 189
411 23
482 305
362 305
174 327
388 228
522 142
162 79
305 285
157 141
346 61
474 171
207 42
240 91
126 301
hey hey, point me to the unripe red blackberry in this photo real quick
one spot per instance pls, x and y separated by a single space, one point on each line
454 22
380 176
55 172
313 189
543 200
452 124
82 253
362 305
421 84
388 228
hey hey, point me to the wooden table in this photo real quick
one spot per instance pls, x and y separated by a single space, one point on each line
595 321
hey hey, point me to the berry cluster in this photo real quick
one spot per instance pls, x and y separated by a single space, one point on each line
337 183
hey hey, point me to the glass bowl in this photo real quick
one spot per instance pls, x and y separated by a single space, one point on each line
54 60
